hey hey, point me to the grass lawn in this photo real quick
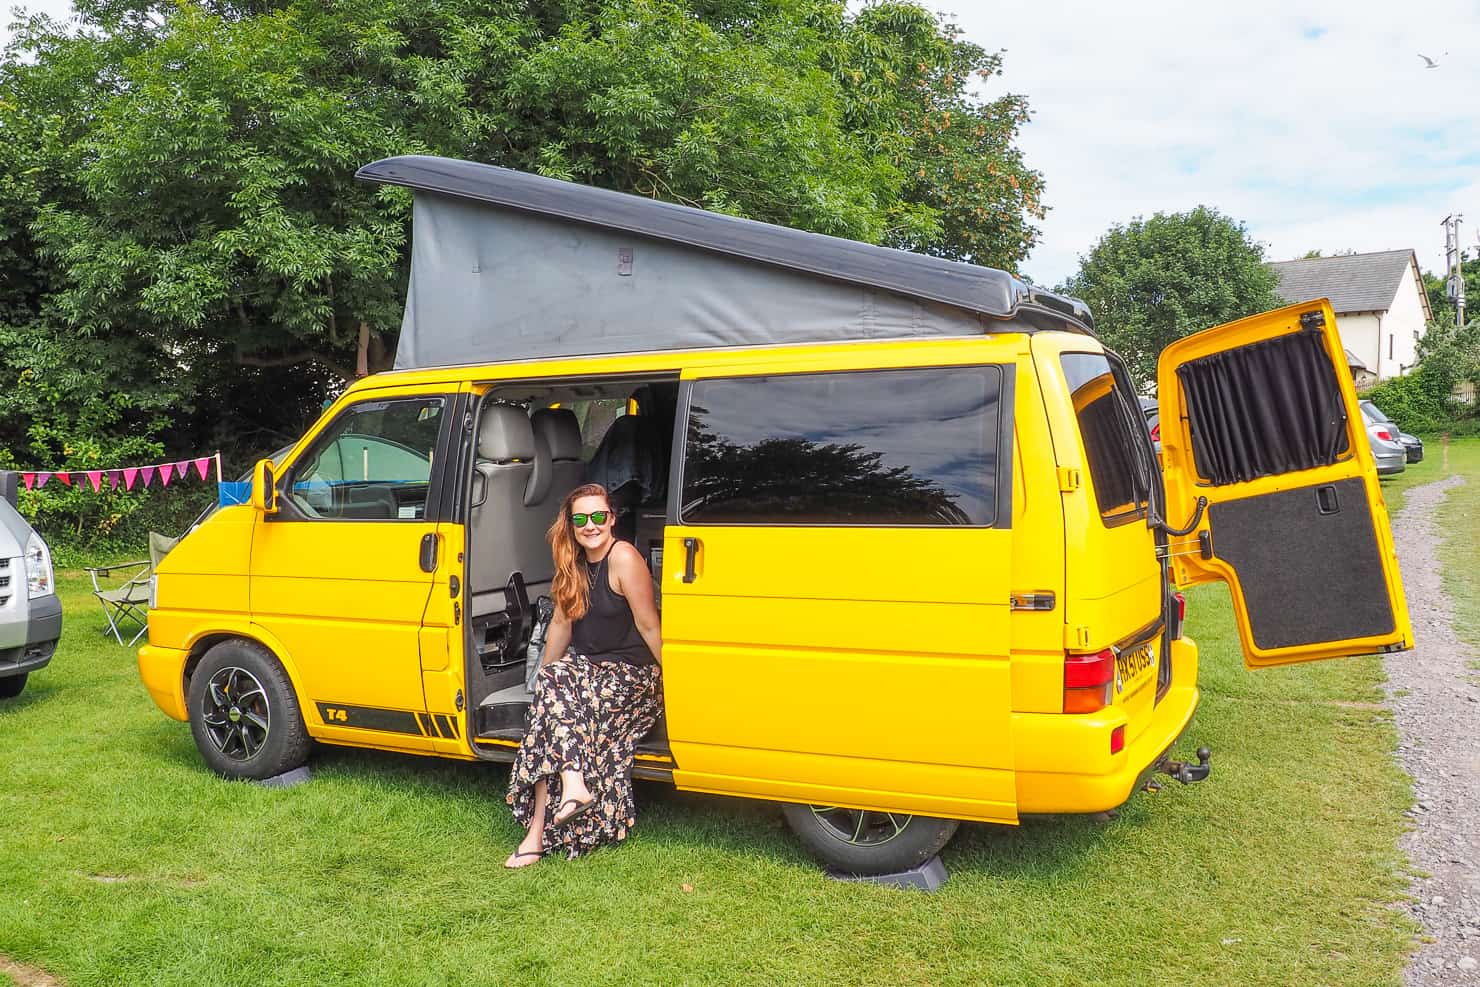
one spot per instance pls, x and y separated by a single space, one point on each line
1459 520
126 861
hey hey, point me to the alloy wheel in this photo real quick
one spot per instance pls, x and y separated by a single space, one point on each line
858 827
237 717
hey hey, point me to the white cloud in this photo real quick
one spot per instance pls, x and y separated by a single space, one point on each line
1316 124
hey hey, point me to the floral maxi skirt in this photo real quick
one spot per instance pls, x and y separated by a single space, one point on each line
586 716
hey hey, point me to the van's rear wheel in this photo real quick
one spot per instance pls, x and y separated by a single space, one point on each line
12 685
243 713
866 842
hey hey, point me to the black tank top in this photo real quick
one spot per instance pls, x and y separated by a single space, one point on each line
608 632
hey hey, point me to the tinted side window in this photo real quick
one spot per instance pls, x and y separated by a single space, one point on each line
890 447
1105 426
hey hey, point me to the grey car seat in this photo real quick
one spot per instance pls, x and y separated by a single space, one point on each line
504 466
557 435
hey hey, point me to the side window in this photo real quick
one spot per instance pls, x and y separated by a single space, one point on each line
373 463
1105 425
596 417
889 447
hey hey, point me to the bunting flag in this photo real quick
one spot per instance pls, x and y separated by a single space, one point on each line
127 475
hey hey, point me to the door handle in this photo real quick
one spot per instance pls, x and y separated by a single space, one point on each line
1326 501
428 552
691 553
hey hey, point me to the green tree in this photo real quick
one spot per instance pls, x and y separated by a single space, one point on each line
201 182
184 250
1153 281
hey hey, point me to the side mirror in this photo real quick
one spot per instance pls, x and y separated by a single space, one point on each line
10 487
264 487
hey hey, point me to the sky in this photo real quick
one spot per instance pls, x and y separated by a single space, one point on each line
1316 124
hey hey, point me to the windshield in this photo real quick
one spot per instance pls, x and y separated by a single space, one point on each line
1374 412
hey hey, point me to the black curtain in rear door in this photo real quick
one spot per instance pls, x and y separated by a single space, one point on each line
1263 409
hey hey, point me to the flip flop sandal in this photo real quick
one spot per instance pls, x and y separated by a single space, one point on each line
537 854
581 808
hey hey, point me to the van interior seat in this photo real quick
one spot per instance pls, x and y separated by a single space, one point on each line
375 503
557 470
502 471
557 434
629 464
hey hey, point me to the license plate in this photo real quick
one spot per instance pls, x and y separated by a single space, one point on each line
1134 667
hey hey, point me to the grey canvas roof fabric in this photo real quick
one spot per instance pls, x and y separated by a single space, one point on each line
1354 283
511 266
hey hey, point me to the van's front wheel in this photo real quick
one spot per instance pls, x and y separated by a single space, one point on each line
244 714
867 842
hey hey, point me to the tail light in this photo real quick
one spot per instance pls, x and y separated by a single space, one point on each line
1176 616
1156 432
1385 435
1088 680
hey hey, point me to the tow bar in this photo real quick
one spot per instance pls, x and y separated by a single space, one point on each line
1185 771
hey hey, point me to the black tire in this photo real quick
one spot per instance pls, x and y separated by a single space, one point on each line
11 685
868 842
244 714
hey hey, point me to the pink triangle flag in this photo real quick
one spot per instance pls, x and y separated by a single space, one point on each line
95 477
113 479
30 479
166 473
41 479
65 477
146 473
182 468
129 476
201 465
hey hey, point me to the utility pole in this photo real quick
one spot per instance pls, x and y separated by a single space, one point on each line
1454 258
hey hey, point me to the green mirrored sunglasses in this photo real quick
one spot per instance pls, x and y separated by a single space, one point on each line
597 518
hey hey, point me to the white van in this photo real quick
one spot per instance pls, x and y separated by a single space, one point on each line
30 612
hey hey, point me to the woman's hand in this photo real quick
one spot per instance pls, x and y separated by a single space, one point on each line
635 582
557 637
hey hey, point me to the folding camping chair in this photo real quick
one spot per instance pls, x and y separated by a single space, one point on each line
127 605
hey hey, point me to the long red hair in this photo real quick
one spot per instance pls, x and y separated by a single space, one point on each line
571 587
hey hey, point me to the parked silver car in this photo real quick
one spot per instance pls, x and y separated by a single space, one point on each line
1412 444
30 613
1386 449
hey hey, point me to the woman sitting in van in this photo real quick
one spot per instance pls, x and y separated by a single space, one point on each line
590 707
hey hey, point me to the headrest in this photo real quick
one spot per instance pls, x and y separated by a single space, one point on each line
560 431
504 433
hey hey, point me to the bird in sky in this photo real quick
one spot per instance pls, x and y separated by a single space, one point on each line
1429 63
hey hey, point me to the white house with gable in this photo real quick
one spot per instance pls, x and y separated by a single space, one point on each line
1380 303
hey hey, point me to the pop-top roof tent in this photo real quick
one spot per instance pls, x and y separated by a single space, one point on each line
512 266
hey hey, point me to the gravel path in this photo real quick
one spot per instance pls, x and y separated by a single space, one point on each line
1432 692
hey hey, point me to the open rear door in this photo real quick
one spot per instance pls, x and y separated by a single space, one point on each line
1259 417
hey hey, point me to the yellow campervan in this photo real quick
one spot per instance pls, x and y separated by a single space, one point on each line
916 560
